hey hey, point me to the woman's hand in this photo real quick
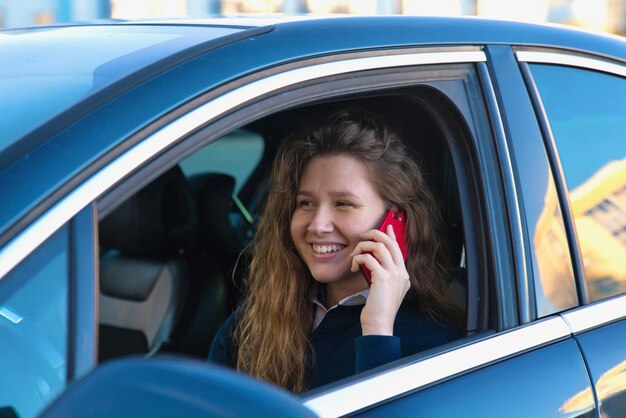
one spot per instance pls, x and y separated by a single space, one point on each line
390 280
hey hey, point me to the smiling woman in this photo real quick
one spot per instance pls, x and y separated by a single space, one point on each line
336 201
309 317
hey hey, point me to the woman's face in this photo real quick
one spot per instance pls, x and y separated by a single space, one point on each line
334 205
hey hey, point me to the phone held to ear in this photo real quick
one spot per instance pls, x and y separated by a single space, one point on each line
397 219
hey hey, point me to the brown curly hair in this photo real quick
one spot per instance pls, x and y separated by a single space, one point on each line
276 317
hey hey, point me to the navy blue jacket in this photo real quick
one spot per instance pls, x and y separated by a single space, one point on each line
339 349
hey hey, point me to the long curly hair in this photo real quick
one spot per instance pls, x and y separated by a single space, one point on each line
276 316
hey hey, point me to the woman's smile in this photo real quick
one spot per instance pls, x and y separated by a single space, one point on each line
330 249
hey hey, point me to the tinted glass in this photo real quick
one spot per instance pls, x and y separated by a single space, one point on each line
34 328
47 70
587 113
236 154
555 287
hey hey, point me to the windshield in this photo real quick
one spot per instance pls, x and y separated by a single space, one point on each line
46 70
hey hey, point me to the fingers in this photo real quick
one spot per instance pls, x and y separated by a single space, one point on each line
368 252
381 255
367 260
388 239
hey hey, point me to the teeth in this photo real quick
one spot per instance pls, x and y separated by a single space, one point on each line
323 249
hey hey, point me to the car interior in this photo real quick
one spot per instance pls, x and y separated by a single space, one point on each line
173 254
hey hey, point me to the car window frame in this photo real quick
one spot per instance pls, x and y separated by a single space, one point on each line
83 293
527 56
532 169
486 161
214 105
481 273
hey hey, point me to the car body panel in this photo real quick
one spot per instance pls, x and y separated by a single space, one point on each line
417 375
517 388
600 330
604 350
58 67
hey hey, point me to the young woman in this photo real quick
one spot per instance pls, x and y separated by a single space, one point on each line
309 316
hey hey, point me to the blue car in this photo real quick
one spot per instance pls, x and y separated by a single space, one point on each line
133 165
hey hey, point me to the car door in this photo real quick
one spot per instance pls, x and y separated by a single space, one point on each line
581 99
530 365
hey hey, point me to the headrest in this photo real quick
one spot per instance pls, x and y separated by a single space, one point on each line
160 218
214 193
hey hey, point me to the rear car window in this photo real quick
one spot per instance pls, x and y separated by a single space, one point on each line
236 154
586 113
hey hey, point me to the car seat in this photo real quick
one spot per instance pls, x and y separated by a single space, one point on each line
143 268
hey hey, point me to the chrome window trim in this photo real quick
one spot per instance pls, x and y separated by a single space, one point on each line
395 382
29 239
596 314
539 57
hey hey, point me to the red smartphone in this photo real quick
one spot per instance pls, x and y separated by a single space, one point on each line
397 219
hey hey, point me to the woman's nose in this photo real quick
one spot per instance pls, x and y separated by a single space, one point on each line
321 222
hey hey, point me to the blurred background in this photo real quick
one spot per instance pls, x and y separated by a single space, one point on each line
602 15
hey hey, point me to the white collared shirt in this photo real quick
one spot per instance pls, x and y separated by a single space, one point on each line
353 300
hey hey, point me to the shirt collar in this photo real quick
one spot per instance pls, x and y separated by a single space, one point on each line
355 299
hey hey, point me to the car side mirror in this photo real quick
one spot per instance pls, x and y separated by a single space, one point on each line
171 386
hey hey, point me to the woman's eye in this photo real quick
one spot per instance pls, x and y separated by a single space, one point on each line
344 204
304 203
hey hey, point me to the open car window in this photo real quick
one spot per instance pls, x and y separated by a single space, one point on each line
183 240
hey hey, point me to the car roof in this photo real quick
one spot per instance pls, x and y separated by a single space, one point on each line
58 66
422 29
430 29
99 122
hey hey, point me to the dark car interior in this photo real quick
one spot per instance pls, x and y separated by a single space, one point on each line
173 255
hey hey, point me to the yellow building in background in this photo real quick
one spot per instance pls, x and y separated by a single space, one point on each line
599 211
552 258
